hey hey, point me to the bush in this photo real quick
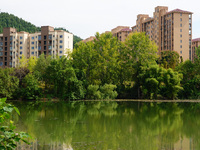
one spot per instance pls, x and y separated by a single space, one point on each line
8 137
106 91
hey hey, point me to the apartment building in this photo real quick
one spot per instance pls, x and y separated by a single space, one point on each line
195 44
170 30
121 32
14 44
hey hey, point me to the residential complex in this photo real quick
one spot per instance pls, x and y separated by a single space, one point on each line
121 32
14 44
171 30
195 44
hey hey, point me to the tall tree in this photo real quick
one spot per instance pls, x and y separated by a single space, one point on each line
137 51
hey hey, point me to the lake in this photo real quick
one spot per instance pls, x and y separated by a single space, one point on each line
105 125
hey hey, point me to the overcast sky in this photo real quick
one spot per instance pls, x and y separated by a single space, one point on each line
86 17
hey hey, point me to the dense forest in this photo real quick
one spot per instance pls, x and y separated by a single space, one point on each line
105 69
9 20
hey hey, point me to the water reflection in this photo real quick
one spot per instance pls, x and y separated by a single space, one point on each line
110 125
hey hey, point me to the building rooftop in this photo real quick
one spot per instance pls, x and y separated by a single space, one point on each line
196 40
179 11
126 29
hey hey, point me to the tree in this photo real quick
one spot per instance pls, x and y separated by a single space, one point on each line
151 79
30 87
169 59
8 83
137 51
98 60
171 86
62 78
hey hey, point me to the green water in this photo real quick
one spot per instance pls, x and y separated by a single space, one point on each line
110 125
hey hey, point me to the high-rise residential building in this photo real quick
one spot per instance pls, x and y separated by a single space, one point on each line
14 44
195 44
171 30
121 32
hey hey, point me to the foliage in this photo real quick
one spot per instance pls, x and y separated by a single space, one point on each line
106 91
30 87
169 59
98 61
8 83
9 20
157 81
172 84
62 77
8 137
136 51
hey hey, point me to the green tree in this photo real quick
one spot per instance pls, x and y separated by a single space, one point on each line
171 86
169 59
62 78
30 87
8 83
136 52
98 60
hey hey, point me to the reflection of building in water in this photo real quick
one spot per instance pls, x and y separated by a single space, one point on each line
44 146
184 144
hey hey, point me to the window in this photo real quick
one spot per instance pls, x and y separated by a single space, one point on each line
20 47
180 46
32 47
180 35
32 38
61 36
20 42
45 37
39 37
32 42
180 41
32 53
20 52
61 41
180 14
1 63
180 19
1 53
181 25
189 32
39 47
50 37
21 37
180 52
60 52
180 30
20 57
60 46
60 56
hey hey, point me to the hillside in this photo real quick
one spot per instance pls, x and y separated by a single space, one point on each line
9 20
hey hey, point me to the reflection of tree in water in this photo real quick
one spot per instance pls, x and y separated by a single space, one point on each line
111 125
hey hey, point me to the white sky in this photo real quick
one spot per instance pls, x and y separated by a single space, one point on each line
86 17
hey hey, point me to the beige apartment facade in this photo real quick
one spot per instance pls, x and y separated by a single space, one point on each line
170 30
121 32
14 45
